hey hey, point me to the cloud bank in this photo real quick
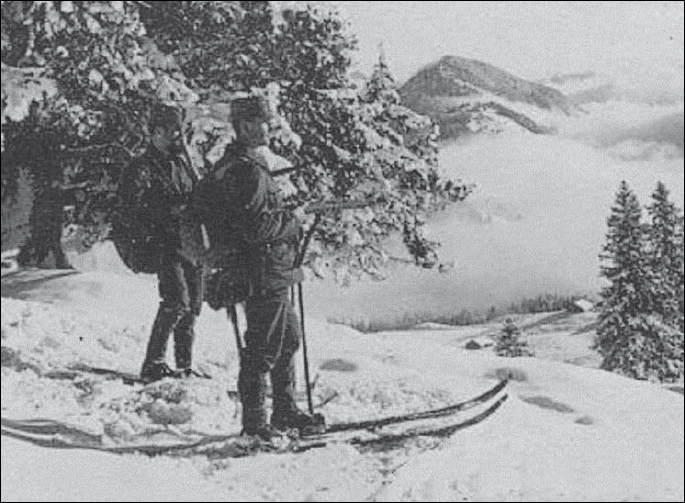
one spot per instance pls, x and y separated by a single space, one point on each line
535 224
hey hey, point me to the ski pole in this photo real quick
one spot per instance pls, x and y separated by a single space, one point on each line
233 316
304 350
298 262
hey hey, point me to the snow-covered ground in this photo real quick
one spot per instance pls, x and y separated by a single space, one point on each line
568 431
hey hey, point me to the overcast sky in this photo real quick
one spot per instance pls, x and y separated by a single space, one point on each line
630 40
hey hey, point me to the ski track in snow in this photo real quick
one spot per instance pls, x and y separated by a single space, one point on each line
567 432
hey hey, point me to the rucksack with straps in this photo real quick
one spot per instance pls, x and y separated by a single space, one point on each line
136 239
228 261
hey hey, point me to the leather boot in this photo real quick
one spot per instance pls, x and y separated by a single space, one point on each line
184 335
252 391
283 384
165 321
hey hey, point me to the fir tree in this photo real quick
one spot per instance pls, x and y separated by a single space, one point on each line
623 267
78 79
81 77
665 241
633 335
509 343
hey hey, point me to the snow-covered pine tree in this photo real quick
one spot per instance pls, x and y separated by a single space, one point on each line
74 81
358 145
508 341
107 63
632 335
623 267
665 247
407 163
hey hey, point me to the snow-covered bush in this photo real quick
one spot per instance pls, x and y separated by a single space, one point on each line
509 343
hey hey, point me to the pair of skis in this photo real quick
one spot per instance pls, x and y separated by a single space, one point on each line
368 441
365 435
380 440
126 377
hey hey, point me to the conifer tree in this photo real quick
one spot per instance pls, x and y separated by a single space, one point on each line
665 248
509 342
73 110
351 146
634 336
106 63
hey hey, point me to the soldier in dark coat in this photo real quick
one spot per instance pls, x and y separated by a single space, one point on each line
249 213
170 180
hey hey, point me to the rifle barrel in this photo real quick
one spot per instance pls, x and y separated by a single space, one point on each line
323 207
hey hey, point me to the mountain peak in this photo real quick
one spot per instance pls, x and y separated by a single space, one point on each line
455 90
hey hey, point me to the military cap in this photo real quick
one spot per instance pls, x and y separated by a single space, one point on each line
252 108
165 116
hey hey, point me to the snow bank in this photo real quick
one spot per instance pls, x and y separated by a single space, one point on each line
581 444
566 432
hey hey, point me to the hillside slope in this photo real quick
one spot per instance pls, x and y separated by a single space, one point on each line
466 96
566 433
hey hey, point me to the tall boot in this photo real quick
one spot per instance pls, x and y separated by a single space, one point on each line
252 391
283 384
286 415
184 335
165 322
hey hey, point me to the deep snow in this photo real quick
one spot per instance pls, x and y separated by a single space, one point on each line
568 432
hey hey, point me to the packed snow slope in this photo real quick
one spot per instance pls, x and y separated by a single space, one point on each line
568 431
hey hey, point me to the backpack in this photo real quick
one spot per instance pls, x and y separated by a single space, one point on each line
136 239
228 280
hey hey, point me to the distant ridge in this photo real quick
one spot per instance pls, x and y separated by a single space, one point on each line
466 96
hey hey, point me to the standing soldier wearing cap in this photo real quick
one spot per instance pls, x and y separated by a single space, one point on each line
170 179
245 205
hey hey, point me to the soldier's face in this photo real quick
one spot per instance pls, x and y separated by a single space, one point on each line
168 139
254 133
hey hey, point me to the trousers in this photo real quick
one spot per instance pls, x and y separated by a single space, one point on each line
181 285
271 341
